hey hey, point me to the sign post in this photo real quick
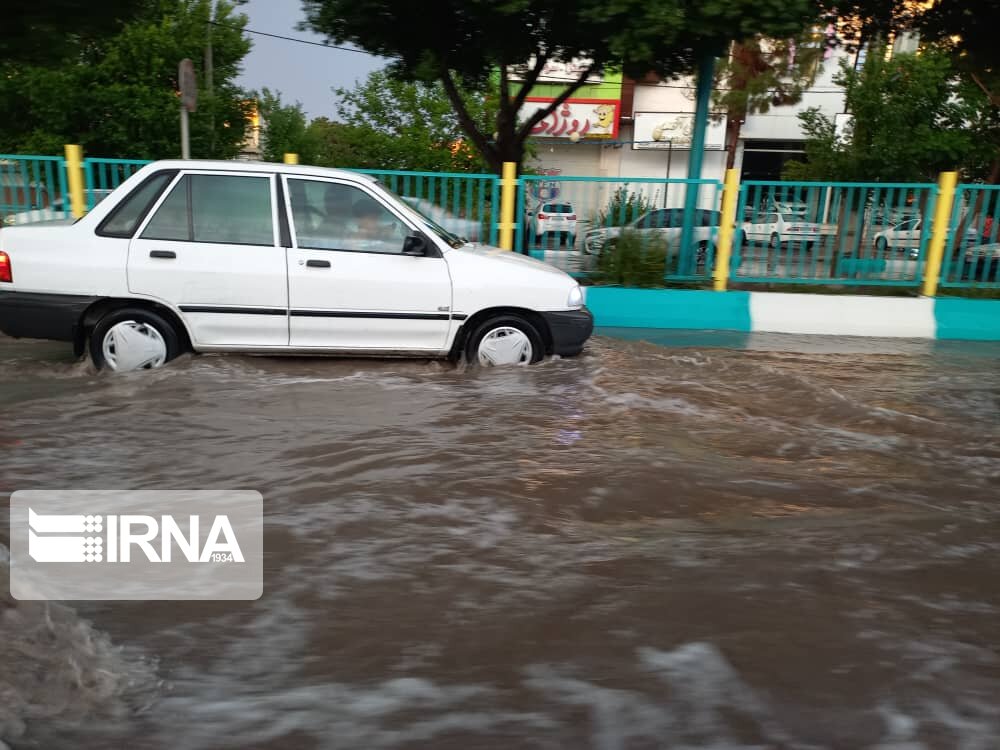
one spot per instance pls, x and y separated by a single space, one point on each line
189 101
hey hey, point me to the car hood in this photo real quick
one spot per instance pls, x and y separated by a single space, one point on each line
507 258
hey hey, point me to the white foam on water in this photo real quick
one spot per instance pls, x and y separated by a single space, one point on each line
59 672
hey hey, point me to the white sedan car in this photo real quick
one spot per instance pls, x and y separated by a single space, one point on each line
777 228
907 234
666 224
274 259
552 218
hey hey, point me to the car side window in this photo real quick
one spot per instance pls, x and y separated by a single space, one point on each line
127 215
220 209
172 219
772 218
335 216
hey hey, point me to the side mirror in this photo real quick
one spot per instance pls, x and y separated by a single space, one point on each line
415 244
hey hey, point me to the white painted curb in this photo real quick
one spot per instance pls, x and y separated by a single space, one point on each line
835 315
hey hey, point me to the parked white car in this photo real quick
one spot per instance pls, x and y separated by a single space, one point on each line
665 224
906 235
777 228
551 218
273 259
468 229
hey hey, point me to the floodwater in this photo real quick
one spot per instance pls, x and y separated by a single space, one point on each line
711 541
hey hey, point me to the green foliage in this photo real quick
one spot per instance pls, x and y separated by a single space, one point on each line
409 125
470 41
41 32
384 124
623 207
632 259
284 129
117 98
760 73
910 122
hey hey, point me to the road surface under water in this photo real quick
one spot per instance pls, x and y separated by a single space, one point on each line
795 545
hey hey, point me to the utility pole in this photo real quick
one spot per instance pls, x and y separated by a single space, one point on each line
209 79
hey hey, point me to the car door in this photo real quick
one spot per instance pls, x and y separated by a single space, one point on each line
350 285
758 228
210 248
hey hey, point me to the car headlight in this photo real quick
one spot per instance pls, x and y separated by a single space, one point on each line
8 221
575 297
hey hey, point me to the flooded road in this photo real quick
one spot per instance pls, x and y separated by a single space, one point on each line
657 545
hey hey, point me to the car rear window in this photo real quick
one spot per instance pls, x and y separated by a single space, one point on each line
557 208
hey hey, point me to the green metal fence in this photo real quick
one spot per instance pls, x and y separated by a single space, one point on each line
101 176
836 233
861 234
31 184
466 204
972 253
598 226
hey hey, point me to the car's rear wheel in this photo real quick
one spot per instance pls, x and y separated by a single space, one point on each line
775 241
504 340
133 339
881 245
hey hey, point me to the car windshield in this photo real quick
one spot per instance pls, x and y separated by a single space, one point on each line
414 205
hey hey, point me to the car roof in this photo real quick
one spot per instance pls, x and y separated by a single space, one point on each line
252 167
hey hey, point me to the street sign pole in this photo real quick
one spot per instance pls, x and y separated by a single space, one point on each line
188 85
185 135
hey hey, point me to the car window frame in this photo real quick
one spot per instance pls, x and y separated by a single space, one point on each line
100 231
275 226
402 216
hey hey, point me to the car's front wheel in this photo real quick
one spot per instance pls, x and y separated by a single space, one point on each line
504 340
133 339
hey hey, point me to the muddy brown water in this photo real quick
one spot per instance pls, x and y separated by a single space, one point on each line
706 542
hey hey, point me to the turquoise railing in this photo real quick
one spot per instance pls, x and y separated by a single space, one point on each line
101 176
466 204
871 234
29 183
972 253
602 209
832 233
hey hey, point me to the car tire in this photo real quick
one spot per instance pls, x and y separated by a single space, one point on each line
156 340
525 347
775 242
881 245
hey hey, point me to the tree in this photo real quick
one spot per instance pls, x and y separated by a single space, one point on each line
118 97
909 123
760 73
37 32
384 124
285 130
466 42
412 125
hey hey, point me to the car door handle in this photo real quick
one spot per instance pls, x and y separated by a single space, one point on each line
318 263
162 254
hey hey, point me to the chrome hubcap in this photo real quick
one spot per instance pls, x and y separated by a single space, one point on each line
131 345
505 346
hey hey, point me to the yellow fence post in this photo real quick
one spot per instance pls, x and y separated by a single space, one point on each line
508 196
291 158
724 247
74 180
939 235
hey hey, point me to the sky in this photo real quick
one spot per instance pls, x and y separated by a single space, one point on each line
301 72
